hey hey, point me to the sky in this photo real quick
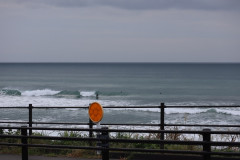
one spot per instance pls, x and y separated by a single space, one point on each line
119 31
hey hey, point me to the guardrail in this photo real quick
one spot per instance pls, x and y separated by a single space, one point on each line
206 143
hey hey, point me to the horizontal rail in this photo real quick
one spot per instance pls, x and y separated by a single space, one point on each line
109 140
201 125
114 124
202 106
14 107
126 140
124 124
55 107
123 149
127 130
15 122
123 107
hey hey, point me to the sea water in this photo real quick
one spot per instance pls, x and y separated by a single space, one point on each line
121 84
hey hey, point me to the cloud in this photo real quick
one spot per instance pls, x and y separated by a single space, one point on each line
119 30
137 4
176 4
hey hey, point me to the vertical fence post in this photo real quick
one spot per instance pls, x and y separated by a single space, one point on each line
206 147
162 124
105 143
90 132
24 141
90 124
30 118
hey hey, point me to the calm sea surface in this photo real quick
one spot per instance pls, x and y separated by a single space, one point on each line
122 84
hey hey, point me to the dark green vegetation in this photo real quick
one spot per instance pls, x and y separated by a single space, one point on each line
91 153
47 151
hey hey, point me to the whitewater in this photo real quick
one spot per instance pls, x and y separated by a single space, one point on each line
48 97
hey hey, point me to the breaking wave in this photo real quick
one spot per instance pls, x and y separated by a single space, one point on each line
65 93
10 92
43 92
59 94
45 97
88 93
120 93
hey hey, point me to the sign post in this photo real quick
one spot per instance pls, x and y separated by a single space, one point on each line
95 112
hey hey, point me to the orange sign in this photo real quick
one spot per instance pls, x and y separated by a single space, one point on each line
95 112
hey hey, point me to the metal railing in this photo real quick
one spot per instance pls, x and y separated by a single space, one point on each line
105 146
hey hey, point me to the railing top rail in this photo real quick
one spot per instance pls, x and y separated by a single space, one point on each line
127 130
14 107
174 106
58 107
201 106
124 107
123 124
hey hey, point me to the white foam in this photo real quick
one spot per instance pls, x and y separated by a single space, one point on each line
185 110
232 111
7 101
88 93
43 92
36 98
171 110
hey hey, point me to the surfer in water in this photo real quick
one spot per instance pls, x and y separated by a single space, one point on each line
96 95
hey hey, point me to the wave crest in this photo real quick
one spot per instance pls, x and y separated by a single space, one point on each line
10 92
71 94
88 93
42 92
119 93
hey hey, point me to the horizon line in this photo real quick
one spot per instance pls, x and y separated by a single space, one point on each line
120 62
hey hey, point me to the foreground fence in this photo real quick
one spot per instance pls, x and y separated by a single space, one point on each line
101 139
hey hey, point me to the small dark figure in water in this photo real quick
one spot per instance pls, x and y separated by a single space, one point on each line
97 95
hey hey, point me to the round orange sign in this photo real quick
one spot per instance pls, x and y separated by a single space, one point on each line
95 112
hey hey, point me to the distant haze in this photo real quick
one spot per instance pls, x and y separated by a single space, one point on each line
119 31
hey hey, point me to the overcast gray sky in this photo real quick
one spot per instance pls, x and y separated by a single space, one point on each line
119 30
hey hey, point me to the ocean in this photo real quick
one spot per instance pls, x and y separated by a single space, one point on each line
121 84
